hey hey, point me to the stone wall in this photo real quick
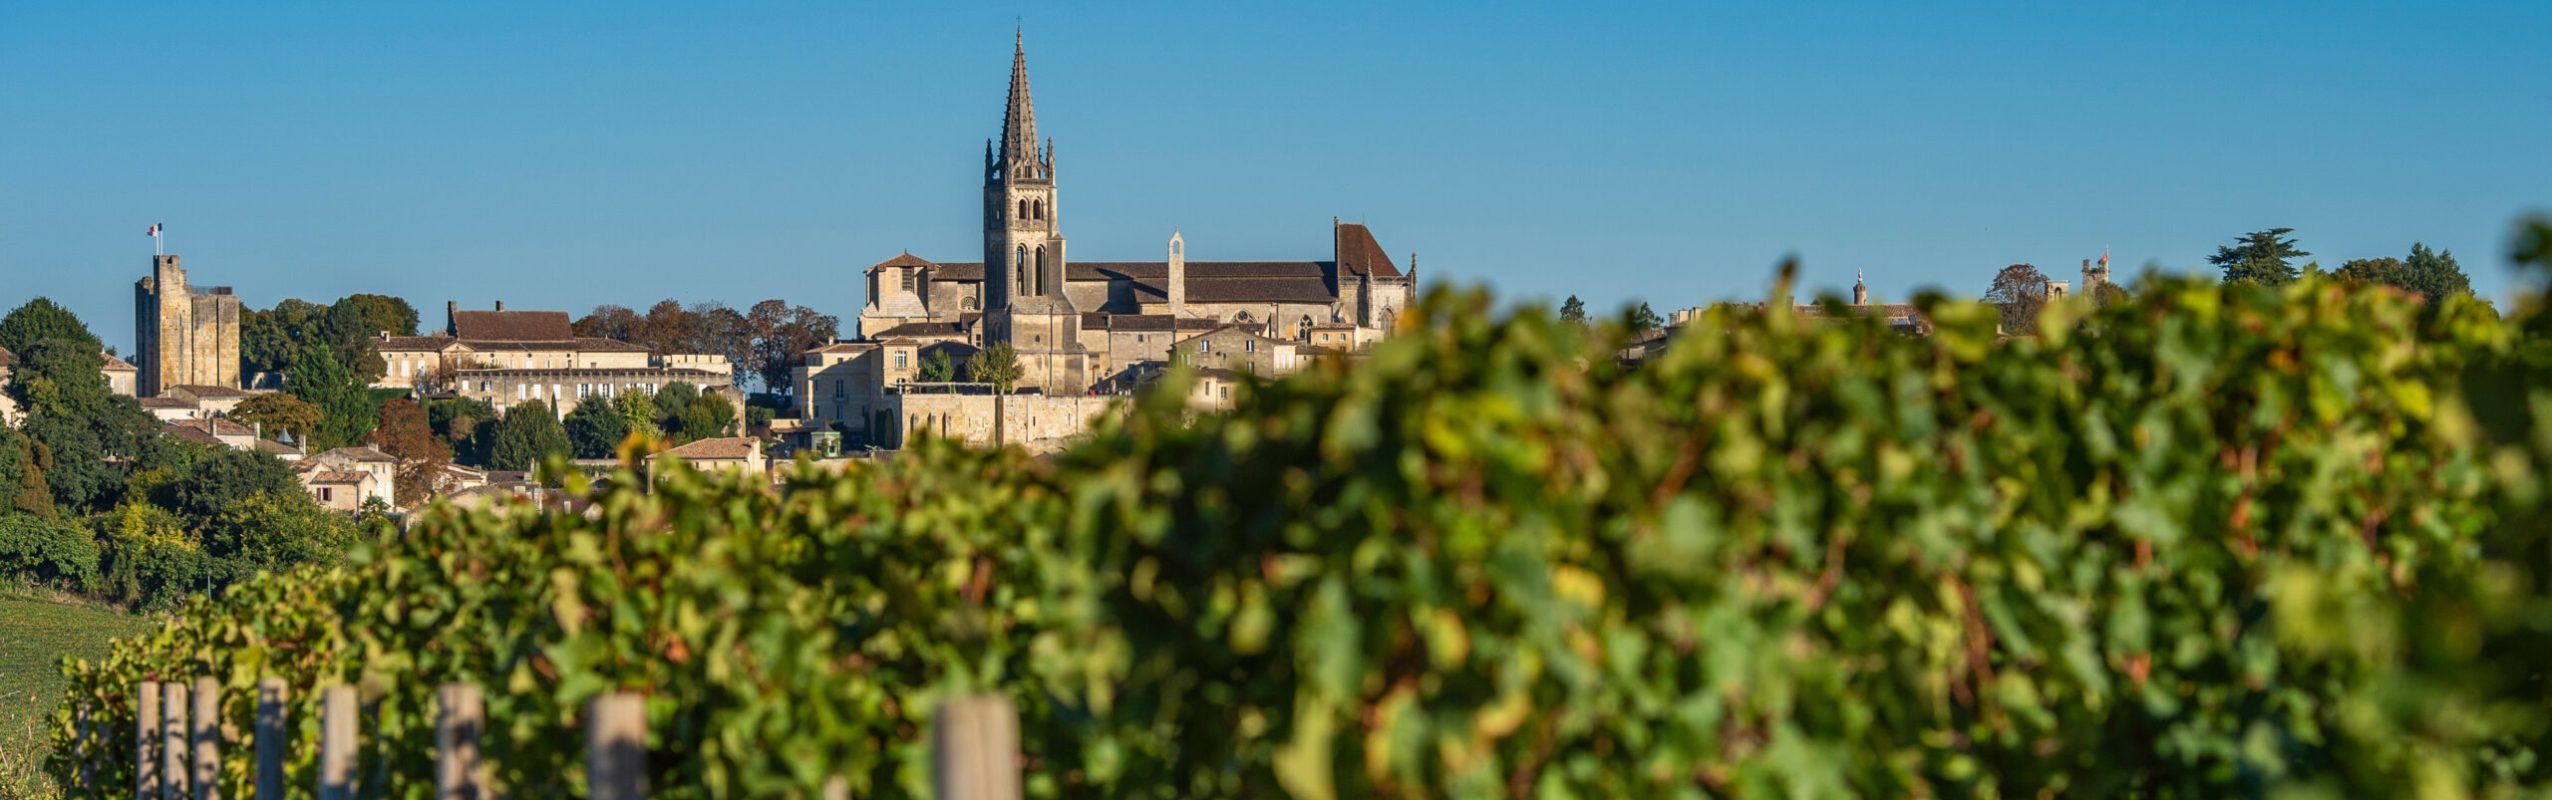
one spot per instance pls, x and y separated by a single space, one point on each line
1038 423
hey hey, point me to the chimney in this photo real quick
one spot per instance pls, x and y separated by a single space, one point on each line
1177 281
451 317
500 305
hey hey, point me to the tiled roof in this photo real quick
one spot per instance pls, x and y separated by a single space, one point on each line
910 260
191 434
113 363
336 476
218 426
1359 254
710 449
202 391
845 347
167 402
923 329
7 358
365 453
512 326
412 343
275 448
1258 290
1100 320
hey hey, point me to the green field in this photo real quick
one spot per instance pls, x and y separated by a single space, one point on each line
33 633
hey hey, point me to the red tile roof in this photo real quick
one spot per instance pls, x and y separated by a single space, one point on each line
737 447
513 326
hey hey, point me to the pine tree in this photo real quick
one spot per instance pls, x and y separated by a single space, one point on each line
1573 311
345 406
2263 257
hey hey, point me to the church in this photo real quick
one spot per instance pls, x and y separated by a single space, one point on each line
1079 325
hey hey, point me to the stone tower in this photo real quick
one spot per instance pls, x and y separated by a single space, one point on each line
183 336
1023 243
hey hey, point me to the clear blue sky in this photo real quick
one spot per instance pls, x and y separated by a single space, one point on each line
564 155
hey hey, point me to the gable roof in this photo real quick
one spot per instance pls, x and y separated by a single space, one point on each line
734 447
217 426
910 260
513 326
116 364
923 329
361 453
191 433
1359 254
336 476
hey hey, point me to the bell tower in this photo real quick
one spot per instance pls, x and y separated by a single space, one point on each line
1023 243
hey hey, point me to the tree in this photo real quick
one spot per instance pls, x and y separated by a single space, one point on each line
938 367
41 319
707 415
374 314
468 426
277 413
781 334
220 478
406 434
277 530
2431 274
2263 257
1643 319
637 413
608 322
274 340
22 487
345 407
2019 291
669 403
595 429
528 433
1573 311
998 365
88 438
2106 293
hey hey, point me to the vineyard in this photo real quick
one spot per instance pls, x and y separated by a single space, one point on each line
2208 540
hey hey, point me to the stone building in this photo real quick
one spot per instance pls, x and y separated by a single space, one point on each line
1038 423
184 334
1237 348
1063 316
737 454
1080 329
507 357
121 378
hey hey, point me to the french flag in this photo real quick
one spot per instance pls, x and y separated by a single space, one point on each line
155 230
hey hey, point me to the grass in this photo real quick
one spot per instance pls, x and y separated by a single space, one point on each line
34 631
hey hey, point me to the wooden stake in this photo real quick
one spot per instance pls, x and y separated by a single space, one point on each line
336 742
173 774
616 747
975 749
459 716
271 739
146 724
208 739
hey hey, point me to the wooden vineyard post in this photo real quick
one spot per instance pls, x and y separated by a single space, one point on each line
974 749
173 730
459 715
85 748
336 742
616 747
207 757
146 722
270 739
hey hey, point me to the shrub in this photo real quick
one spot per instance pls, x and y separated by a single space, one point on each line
2204 541
46 551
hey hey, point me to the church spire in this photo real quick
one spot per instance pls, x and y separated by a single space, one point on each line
1019 121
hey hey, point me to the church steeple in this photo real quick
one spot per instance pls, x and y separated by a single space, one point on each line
1019 158
1023 237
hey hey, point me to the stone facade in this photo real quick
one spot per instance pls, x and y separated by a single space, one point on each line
1038 423
562 389
184 334
1237 348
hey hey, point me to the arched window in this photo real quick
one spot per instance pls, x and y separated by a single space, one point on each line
1023 209
1302 329
968 303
